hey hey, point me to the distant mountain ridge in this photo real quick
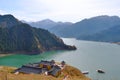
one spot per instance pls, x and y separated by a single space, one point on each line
90 26
16 36
86 28
109 35
46 24
58 29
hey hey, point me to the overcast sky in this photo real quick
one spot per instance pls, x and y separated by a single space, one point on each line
59 10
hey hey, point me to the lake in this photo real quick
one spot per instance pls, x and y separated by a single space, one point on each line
89 56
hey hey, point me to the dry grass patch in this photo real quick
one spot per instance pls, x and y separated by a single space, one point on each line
71 72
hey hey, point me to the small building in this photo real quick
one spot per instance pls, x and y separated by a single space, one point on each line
63 63
33 64
55 71
29 70
46 64
47 67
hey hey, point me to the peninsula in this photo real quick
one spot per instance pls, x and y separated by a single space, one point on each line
18 37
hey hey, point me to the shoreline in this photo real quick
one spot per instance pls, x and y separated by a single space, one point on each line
118 43
2 55
33 52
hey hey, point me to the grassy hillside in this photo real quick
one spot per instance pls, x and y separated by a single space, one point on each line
71 72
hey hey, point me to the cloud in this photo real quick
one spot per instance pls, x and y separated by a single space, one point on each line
60 10
2 12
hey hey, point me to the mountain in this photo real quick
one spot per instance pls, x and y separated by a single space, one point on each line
16 36
44 24
90 26
60 27
96 28
109 35
8 21
50 25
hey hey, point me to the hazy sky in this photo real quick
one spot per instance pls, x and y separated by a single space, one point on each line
59 10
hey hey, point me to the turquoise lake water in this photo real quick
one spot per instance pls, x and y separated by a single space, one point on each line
89 56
